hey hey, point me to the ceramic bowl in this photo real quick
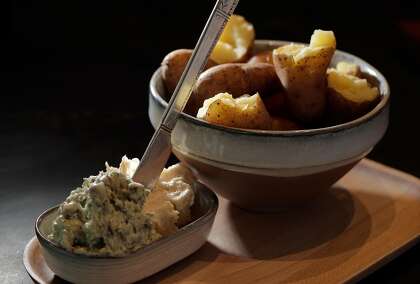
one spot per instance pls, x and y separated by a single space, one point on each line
79 268
272 170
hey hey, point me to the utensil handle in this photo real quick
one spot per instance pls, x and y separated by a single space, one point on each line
208 39
159 148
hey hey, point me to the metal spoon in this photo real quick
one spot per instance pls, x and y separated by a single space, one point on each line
159 148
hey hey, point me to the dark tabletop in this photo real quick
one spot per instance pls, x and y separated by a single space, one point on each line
74 78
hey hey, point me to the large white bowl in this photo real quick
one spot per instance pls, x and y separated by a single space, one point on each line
266 170
79 268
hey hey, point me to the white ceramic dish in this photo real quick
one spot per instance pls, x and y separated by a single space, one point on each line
78 268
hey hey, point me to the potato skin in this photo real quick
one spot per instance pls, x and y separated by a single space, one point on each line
262 57
305 84
276 103
234 78
222 109
255 116
174 64
284 124
340 109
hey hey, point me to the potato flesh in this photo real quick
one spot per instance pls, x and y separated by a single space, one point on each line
244 112
302 71
348 68
235 41
236 79
351 87
319 40
322 38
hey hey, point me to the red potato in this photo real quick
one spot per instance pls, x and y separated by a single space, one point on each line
284 124
276 103
236 79
349 68
174 64
302 71
349 96
246 112
262 57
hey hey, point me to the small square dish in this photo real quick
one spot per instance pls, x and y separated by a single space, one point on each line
155 257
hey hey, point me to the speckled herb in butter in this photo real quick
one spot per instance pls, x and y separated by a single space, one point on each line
104 216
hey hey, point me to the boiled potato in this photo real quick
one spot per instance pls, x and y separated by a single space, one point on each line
234 78
348 68
276 103
236 41
348 95
244 112
283 124
302 71
174 64
262 57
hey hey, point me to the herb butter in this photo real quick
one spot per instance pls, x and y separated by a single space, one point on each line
111 215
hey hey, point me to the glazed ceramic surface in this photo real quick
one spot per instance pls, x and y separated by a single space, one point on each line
218 153
78 268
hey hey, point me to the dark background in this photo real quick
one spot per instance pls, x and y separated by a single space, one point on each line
66 62
74 80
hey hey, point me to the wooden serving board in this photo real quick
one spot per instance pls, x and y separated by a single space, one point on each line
370 216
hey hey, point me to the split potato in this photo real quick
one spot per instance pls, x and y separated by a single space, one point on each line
247 112
302 71
236 41
348 95
292 84
174 64
236 79
348 68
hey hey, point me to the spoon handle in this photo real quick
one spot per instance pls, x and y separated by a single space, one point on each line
157 153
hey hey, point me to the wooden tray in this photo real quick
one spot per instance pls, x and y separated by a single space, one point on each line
369 217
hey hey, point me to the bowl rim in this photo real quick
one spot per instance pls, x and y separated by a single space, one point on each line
190 227
380 106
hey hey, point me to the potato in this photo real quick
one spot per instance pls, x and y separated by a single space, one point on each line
349 96
276 103
262 57
302 71
246 112
349 68
174 64
234 78
236 41
283 124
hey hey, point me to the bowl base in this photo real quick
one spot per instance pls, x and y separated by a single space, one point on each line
262 193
